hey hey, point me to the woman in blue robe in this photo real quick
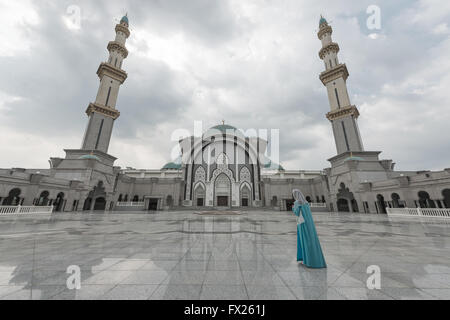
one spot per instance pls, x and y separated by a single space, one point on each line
308 246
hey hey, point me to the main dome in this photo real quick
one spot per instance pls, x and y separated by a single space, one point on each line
223 129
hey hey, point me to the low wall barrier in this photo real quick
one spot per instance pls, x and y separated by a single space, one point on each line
419 212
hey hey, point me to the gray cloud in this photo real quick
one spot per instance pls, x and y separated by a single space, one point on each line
253 64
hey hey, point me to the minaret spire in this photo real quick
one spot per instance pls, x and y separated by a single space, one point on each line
103 112
343 114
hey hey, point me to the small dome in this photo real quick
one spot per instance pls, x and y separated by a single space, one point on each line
175 165
171 166
224 129
89 156
322 21
124 19
269 164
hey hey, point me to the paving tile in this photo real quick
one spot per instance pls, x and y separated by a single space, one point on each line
221 292
177 292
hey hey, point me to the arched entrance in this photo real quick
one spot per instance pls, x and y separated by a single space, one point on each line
59 202
381 204
222 191
13 198
87 204
395 200
245 196
425 201
446 195
199 195
43 198
97 194
100 204
346 200
342 205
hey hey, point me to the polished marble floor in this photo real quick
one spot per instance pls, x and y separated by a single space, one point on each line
183 255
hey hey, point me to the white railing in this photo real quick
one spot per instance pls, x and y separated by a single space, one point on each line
317 205
9 210
131 204
419 212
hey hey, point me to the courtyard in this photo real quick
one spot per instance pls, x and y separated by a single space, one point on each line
241 255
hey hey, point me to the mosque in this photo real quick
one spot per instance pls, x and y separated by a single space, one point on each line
223 168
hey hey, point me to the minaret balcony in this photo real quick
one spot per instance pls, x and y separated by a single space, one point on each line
339 71
117 46
331 47
124 29
324 30
342 113
112 72
104 110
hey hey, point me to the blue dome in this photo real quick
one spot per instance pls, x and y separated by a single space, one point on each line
124 19
224 127
89 156
175 165
171 166
322 21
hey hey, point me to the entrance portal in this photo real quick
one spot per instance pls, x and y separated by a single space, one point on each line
153 205
222 201
100 204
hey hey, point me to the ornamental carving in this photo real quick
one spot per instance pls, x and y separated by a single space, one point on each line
335 73
331 47
104 110
222 167
114 45
112 72
343 112
200 174
123 29
245 175
324 30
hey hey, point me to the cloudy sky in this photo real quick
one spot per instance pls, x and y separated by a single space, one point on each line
253 63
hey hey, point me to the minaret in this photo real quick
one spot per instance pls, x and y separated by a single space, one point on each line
343 115
103 112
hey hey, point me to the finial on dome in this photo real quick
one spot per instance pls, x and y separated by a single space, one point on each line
125 19
322 21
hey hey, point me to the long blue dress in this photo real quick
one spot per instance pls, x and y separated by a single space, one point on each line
308 246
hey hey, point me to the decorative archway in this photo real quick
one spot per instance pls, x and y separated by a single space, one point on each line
97 193
199 194
100 204
13 198
342 205
59 202
222 191
395 200
345 194
87 204
425 200
245 195
43 198
381 204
